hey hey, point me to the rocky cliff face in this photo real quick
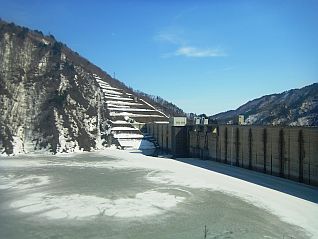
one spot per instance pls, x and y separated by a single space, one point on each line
53 100
298 107
47 101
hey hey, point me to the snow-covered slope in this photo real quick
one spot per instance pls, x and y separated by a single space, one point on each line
47 101
297 107
53 100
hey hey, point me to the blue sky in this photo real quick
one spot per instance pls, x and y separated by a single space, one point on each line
204 56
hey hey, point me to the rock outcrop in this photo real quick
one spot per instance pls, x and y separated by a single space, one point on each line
53 100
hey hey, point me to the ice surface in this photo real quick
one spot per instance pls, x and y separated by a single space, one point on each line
77 206
24 182
289 208
110 189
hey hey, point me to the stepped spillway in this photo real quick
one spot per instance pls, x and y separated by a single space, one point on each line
124 111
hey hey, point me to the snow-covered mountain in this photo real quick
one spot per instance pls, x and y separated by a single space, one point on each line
53 100
297 107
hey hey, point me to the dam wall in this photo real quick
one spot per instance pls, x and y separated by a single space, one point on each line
172 139
289 152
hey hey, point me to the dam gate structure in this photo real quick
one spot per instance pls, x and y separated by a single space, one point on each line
288 152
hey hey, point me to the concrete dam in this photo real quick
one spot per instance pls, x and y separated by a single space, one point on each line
288 152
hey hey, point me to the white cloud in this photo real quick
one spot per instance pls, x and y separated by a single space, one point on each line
183 48
168 37
197 52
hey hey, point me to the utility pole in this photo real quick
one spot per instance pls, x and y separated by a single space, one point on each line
114 75
206 231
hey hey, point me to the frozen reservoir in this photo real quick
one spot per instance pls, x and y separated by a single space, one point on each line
115 194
